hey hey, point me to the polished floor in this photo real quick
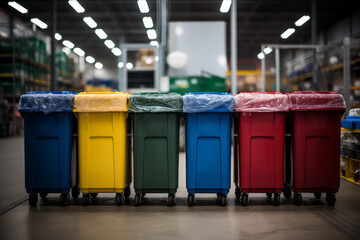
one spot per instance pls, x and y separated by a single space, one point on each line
155 220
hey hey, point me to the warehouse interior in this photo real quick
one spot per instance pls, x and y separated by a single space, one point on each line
159 52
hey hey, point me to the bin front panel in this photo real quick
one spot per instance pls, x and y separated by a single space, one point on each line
316 151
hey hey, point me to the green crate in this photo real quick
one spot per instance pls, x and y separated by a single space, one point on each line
184 85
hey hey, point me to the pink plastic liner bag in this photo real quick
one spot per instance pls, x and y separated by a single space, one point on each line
316 101
261 102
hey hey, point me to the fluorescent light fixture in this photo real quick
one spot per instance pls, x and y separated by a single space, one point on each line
268 50
225 6
287 33
143 6
90 59
79 51
154 43
39 23
99 65
129 66
68 44
58 36
76 5
156 58
101 34
116 51
148 22
151 34
120 65
90 22
66 50
302 20
261 55
18 7
110 44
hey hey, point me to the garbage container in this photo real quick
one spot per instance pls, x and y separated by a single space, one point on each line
48 144
261 125
316 126
208 118
156 119
102 144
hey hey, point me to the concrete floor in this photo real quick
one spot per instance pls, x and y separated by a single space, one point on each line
154 220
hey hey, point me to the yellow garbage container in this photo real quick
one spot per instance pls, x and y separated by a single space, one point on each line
102 125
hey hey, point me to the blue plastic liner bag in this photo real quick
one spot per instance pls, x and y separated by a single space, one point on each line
208 102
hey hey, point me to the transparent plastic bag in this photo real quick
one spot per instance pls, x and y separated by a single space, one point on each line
261 102
46 102
316 101
208 102
101 102
156 102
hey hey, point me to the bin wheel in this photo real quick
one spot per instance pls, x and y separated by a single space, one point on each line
298 199
119 199
244 199
269 195
218 198
223 200
75 192
85 199
33 199
317 195
330 199
64 199
287 192
191 200
277 199
94 195
43 195
127 192
237 193
137 200
143 195
171 200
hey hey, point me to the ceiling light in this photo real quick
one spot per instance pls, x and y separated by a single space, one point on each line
39 23
268 50
143 6
261 55
302 20
149 60
148 22
68 44
120 65
151 34
66 50
129 66
90 59
154 43
287 33
58 36
116 51
90 22
225 6
99 65
156 58
110 44
18 7
76 5
101 34
79 51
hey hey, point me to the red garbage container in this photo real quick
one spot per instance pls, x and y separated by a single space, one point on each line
259 167
316 121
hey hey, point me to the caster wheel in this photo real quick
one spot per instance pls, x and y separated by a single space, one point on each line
119 199
223 200
237 193
277 199
244 199
191 200
137 200
317 195
43 195
94 195
287 192
218 198
330 199
33 199
143 195
171 200
75 192
85 199
298 199
127 193
64 199
269 195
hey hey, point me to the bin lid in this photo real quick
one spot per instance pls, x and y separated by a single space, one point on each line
46 102
208 102
261 102
156 102
101 102
316 101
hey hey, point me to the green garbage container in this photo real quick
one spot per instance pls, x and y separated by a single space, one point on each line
156 119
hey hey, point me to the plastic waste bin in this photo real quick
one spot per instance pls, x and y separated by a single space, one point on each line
48 144
208 118
316 126
102 144
156 119
260 162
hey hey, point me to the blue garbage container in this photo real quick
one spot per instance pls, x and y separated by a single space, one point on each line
48 125
208 121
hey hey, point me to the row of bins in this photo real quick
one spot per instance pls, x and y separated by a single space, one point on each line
262 123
